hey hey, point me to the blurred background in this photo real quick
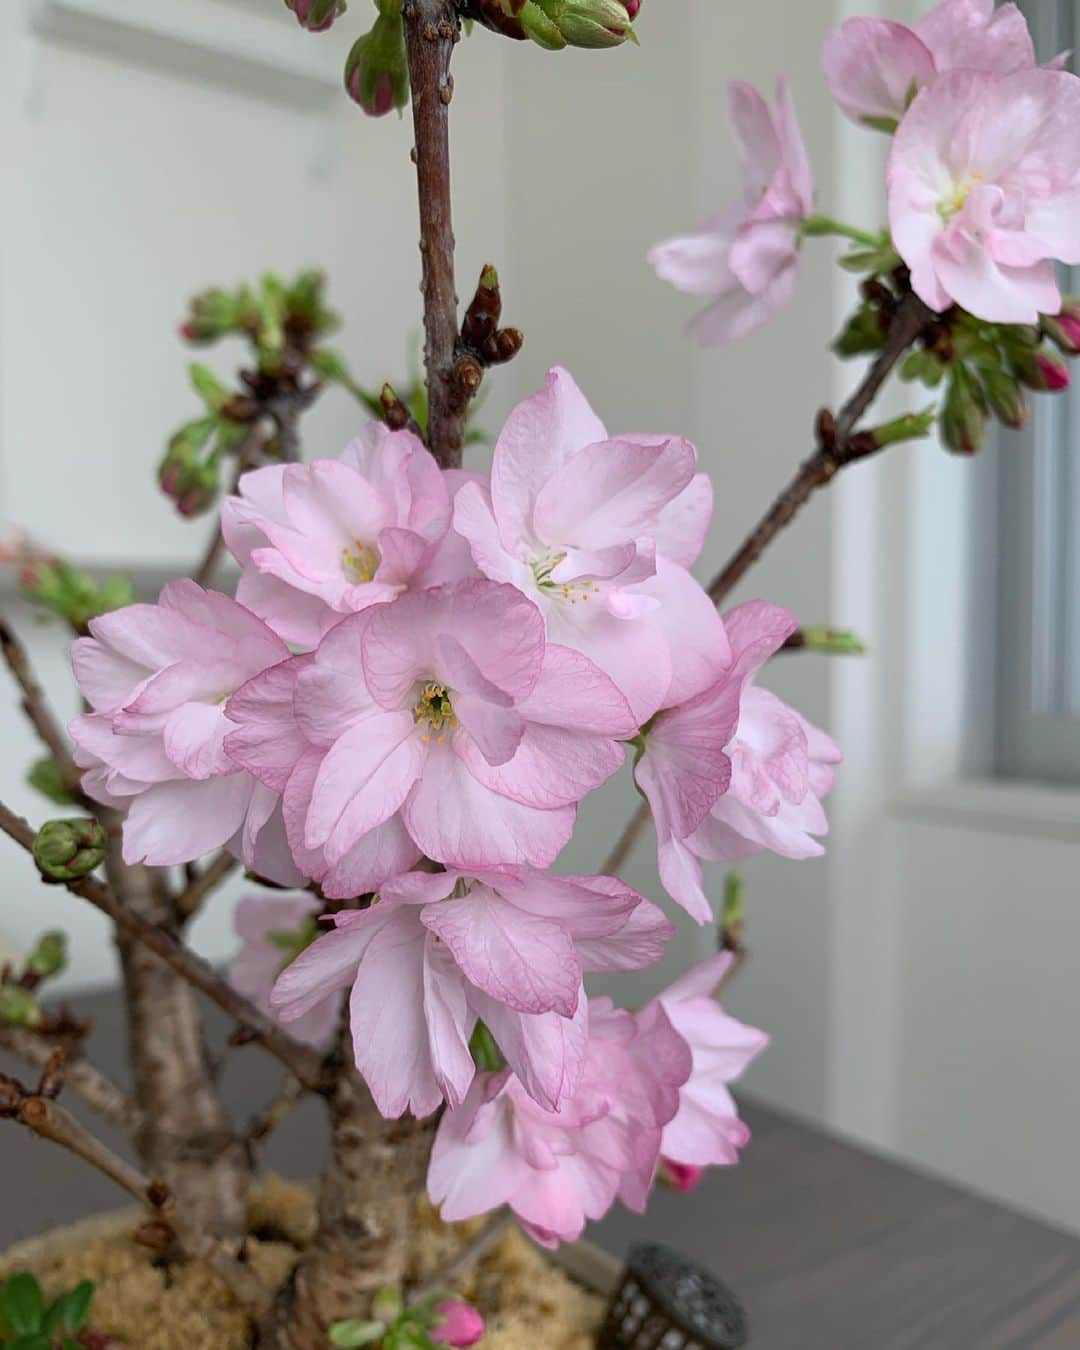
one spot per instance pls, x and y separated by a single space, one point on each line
920 983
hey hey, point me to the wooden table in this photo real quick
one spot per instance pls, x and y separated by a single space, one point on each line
828 1247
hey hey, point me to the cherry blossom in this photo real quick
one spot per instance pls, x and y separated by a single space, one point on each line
557 1170
875 67
747 257
984 192
157 678
449 707
273 930
328 538
706 1131
590 555
440 950
735 770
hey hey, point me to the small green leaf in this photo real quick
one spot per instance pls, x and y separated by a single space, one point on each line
348 1335
207 385
36 1340
23 1303
75 1306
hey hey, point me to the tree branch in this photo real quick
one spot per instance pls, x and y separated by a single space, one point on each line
302 1060
49 1120
209 879
447 1276
36 706
432 27
839 445
96 1090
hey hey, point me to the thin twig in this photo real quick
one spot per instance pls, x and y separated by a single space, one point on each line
209 879
448 1275
95 1089
49 1120
302 1060
839 446
431 29
36 706
263 1125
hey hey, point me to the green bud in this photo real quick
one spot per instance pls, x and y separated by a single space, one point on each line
1006 398
67 849
46 777
862 334
18 1007
377 71
909 427
49 957
208 387
964 413
554 24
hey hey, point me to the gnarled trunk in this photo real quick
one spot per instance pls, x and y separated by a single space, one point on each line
366 1202
186 1138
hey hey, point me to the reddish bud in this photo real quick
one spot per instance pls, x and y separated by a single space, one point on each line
682 1177
316 15
1055 373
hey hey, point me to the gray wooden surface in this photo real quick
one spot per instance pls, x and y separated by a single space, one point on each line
828 1247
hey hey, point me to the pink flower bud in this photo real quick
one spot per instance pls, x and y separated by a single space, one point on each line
1055 373
633 8
461 1325
316 15
682 1177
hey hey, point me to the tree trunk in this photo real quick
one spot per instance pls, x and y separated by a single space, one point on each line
186 1138
368 1193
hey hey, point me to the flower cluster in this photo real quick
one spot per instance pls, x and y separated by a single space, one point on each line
422 675
983 180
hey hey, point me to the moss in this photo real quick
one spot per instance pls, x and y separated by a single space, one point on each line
525 1300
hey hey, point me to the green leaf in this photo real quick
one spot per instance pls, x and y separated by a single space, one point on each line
485 1050
23 1303
348 1335
208 387
36 1340
74 1306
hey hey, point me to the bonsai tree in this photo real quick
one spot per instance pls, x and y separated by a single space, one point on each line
425 669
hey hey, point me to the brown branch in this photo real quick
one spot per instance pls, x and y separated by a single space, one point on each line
49 1120
432 27
96 1090
839 445
36 706
447 1276
302 1060
263 1125
209 879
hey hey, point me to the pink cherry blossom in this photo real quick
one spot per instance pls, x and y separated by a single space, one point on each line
984 192
265 925
706 1131
439 950
747 258
575 520
461 1324
734 770
448 707
557 1170
157 677
875 67
320 540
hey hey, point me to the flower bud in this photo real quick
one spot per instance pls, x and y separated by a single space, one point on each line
461 1324
376 72
963 417
1039 370
590 23
387 1305
555 24
682 1177
316 15
18 1007
49 957
67 849
1064 329
1006 398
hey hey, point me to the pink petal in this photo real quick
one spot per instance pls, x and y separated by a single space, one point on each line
684 522
526 962
872 66
546 1051
178 822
